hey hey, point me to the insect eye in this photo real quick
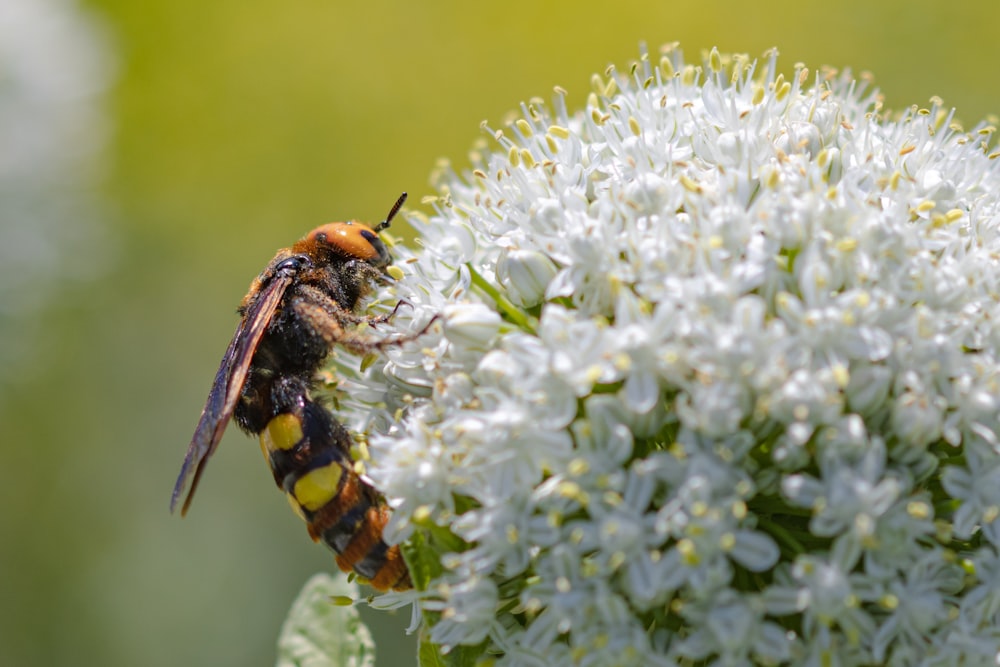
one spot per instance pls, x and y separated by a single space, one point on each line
292 264
369 236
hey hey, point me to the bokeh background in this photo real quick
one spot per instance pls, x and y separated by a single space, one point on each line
154 154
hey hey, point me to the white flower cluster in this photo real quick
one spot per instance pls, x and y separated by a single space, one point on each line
717 380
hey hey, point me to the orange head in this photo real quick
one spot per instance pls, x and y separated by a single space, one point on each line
352 240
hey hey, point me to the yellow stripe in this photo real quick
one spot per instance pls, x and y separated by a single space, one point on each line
318 486
295 506
281 433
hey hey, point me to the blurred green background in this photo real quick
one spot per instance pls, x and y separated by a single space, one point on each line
165 150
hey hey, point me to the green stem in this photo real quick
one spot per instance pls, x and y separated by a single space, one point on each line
783 535
761 504
509 310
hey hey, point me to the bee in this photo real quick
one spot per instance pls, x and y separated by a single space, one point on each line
300 306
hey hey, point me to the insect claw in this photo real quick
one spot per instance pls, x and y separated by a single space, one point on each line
382 319
430 323
401 302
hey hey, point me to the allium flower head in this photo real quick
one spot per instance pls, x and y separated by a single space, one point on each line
716 380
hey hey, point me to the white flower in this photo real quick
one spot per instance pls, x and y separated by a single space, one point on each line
525 274
716 379
917 605
978 487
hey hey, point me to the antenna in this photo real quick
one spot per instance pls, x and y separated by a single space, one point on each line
392 213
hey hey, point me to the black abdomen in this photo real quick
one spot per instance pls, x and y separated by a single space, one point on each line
309 454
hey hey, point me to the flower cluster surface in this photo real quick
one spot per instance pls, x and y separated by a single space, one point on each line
717 379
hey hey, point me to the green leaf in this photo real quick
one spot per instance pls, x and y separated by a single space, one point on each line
423 551
423 561
319 633
430 655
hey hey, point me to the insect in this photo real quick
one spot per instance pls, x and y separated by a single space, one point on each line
300 306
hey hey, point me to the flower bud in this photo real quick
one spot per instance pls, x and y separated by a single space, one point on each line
525 274
470 325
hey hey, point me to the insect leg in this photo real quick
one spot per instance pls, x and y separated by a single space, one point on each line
343 315
324 316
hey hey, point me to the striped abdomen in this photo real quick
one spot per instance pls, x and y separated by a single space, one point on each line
309 454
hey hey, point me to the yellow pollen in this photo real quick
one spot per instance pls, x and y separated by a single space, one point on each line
689 75
513 156
597 84
782 92
715 60
847 244
841 375
666 67
688 184
578 466
569 489
559 131
918 509
688 551
773 178
623 362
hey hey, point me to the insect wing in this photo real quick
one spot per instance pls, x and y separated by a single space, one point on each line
226 389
